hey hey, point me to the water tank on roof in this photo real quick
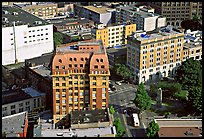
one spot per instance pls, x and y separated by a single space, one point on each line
143 35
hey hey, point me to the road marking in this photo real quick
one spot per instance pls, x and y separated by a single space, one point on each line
128 132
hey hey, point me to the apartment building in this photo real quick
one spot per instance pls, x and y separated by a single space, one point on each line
98 14
24 36
176 12
43 10
155 54
80 75
143 16
193 45
19 100
113 35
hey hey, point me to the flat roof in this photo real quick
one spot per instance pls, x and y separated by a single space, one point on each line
89 116
179 122
32 92
43 71
21 18
14 123
117 52
89 132
99 9
132 9
10 96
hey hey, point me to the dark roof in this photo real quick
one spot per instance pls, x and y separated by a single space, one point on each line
89 116
10 96
117 52
45 59
13 124
20 73
23 16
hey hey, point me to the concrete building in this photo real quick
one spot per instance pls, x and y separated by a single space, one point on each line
80 75
19 100
175 12
156 54
98 14
15 125
24 36
179 127
193 45
117 56
143 16
113 35
42 10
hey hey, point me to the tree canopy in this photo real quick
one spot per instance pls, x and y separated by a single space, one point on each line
152 129
189 73
122 70
192 24
112 110
58 38
119 128
195 97
142 99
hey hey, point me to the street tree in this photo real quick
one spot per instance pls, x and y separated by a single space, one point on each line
119 128
189 73
122 70
195 97
58 38
142 99
112 110
152 129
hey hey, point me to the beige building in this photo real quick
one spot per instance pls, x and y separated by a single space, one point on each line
175 12
143 16
113 35
42 10
156 54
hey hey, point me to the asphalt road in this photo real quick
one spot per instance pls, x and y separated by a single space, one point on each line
122 99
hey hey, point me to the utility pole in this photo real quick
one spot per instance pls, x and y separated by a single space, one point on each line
16 60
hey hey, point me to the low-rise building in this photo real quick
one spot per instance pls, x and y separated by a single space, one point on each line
179 127
42 10
19 100
117 56
98 14
113 35
143 16
193 45
15 125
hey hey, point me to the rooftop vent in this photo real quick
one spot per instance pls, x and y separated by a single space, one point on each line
38 22
14 13
5 12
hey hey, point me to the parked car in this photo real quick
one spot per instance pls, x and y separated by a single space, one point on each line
118 83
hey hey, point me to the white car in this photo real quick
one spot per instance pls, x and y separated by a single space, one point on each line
118 83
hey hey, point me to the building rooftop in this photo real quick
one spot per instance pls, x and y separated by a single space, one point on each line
98 9
22 5
74 47
43 71
15 95
14 124
117 52
180 127
141 11
89 132
69 21
12 14
32 92
89 116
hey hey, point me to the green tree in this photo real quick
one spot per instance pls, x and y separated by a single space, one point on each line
119 128
152 129
122 70
58 38
142 99
112 110
189 73
195 97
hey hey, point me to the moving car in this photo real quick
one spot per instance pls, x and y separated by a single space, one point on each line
118 83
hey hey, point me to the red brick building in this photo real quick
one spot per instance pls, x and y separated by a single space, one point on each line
80 76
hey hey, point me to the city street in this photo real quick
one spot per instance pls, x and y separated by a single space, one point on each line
122 99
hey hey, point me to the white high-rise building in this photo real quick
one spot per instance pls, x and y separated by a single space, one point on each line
24 36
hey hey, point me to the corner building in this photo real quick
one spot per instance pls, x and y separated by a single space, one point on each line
80 76
156 54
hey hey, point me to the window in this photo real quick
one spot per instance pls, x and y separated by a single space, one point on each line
4 108
75 65
93 95
94 89
103 89
101 60
102 66
94 83
104 77
96 67
20 109
27 102
57 67
63 101
103 95
70 82
104 83
63 84
13 112
28 108
75 99
20 104
81 65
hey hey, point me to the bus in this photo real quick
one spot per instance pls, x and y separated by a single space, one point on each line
136 119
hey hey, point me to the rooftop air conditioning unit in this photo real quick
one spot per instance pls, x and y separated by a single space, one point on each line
5 12
14 13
